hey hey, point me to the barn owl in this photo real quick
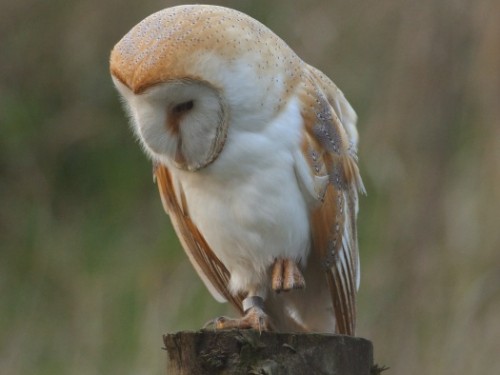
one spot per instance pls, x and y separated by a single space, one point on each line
254 154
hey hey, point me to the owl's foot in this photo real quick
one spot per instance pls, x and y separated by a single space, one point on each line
254 318
286 276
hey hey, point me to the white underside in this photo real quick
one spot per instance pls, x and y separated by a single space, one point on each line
248 203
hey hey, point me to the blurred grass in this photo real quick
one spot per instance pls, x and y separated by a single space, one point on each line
91 274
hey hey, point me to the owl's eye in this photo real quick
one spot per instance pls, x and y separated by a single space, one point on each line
183 107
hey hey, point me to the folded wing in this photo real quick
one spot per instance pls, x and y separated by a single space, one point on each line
210 269
329 147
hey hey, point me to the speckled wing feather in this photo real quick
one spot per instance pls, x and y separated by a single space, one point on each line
329 146
211 270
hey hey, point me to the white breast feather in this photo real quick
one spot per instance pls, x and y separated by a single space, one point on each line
248 204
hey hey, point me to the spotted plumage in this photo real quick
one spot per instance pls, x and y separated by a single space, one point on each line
255 160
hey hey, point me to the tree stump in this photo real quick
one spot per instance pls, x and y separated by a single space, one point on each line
266 353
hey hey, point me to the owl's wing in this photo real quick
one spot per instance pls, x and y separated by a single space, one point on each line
210 269
329 150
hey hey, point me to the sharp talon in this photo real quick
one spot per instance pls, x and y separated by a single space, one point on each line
215 323
208 324
255 318
219 322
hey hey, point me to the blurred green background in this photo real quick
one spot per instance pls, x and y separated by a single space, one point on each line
91 274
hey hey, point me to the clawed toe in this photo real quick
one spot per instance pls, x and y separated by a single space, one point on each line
255 318
215 323
286 276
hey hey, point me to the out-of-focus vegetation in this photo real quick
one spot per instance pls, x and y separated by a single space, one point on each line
91 274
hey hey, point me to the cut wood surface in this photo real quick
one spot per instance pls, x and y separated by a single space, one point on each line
251 352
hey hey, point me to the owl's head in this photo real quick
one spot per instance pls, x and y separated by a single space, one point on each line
189 75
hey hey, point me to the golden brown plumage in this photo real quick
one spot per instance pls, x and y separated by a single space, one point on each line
266 188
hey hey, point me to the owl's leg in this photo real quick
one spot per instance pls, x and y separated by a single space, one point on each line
254 315
254 318
286 276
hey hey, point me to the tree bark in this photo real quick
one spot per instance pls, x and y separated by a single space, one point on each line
266 353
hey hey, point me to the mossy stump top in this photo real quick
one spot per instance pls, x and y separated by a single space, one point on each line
250 352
